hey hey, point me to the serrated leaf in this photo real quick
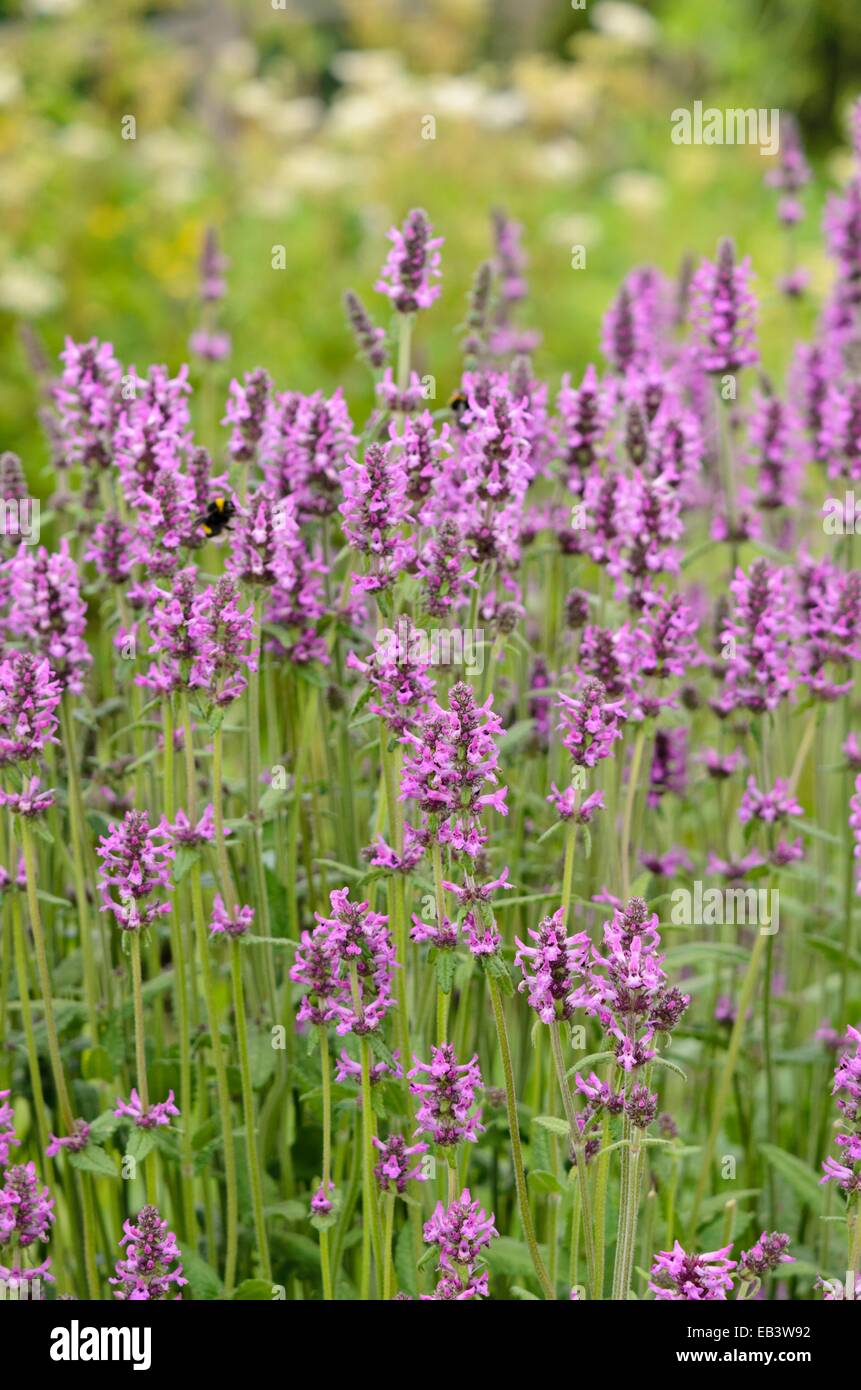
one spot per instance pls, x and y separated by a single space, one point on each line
92 1159
553 1124
141 1143
445 966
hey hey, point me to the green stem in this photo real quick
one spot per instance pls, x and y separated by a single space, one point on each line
370 1215
630 794
326 1070
76 822
516 1148
231 1221
57 1072
725 1084
253 1158
580 1153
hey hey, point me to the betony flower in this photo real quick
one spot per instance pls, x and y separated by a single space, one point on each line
8 1137
74 1142
222 635
234 922
26 1209
136 865
412 264
29 695
461 1231
770 806
48 613
723 312
764 1256
554 961
158 1113
679 1277
589 723
358 954
395 1168
151 1264
447 1097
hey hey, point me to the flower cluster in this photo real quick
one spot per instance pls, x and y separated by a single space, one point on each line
446 1111
150 1269
846 1171
461 1232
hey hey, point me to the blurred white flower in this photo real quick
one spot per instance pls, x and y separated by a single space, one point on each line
295 118
313 170
557 159
371 67
573 229
52 7
627 23
236 58
502 110
28 290
638 192
460 97
10 84
81 140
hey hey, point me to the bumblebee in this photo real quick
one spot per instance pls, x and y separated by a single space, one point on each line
217 516
458 405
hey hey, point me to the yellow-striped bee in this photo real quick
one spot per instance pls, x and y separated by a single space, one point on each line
458 405
218 516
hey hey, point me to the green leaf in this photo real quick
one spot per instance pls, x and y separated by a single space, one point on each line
381 1049
141 1142
589 1062
186 857
553 1123
104 1125
445 966
543 1180
97 1064
92 1159
202 1278
659 1061
257 1290
801 1178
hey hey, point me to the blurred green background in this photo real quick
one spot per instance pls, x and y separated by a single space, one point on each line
301 125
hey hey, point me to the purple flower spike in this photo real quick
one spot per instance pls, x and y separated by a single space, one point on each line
847 1084
448 1097
136 863
8 1137
26 1209
554 962
349 962
233 923
151 1261
679 1277
590 723
764 1256
461 1232
74 1142
394 1169
723 312
412 263
29 695
159 1113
